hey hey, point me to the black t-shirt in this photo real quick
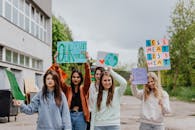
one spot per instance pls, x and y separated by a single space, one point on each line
76 101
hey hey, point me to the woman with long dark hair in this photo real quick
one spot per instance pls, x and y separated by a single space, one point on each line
77 95
50 103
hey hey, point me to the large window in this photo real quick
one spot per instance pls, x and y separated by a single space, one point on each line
21 59
27 24
8 11
15 3
15 58
27 61
21 20
15 16
8 56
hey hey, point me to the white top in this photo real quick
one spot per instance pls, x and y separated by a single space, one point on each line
93 90
151 111
109 115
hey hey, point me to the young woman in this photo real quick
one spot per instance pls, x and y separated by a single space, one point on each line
77 96
155 103
106 112
51 105
93 90
94 87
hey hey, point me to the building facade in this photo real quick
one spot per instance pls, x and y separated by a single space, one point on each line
25 40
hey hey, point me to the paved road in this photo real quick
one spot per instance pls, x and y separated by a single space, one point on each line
182 117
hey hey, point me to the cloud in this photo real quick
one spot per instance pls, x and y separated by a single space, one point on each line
116 26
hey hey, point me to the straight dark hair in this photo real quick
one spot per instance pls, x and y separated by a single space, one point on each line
57 87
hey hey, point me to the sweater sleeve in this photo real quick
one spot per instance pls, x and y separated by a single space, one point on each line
136 92
33 106
87 80
121 80
165 103
66 121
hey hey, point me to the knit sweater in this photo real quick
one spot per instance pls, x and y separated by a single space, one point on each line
151 111
110 115
50 116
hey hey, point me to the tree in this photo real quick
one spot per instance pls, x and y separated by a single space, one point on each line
142 63
182 18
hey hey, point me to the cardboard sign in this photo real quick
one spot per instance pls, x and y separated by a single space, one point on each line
71 52
157 55
107 59
139 76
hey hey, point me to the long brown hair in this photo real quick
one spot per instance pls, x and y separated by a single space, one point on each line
157 88
101 88
57 87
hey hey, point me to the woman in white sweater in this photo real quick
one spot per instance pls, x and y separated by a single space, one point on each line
155 103
106 111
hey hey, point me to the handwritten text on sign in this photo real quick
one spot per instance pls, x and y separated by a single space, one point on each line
71 52
157 54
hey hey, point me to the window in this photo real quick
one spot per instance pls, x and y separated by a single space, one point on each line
37 31
27 24
8 11
39 64
21 20
15 16
37 17
27 61
8 56
1 53
32 28
15 3
21 6
21 59
15 57
33 13
33 63
27 12
1 7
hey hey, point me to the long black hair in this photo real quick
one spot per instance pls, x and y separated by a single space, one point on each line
57 87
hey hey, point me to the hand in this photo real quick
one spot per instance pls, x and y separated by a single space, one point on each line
55 56
17 103
160 103
109 68
87 55
131 78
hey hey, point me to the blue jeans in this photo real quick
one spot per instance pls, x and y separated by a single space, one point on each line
112 127
145 126
78 121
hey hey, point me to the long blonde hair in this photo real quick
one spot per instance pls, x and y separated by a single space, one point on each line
157 87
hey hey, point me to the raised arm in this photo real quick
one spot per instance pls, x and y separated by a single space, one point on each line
87 80
120 80
63 76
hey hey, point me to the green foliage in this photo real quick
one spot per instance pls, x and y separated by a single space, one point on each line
181 33
183 93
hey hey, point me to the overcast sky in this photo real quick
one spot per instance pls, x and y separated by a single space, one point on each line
119 26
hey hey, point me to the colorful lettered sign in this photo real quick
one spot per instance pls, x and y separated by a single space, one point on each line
157 54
